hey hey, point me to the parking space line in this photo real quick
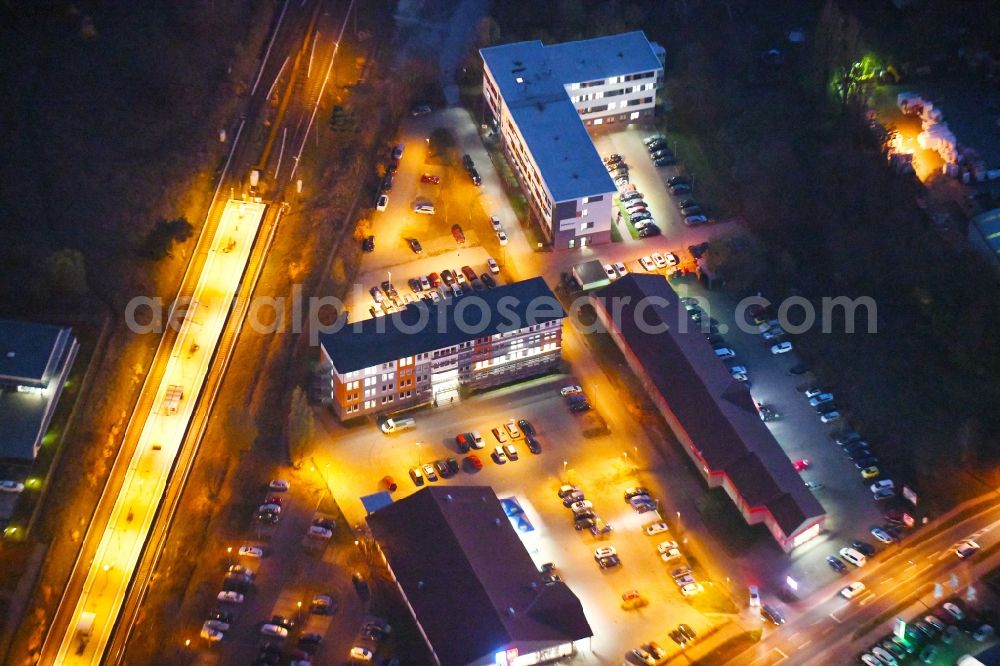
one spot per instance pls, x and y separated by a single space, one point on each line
836 619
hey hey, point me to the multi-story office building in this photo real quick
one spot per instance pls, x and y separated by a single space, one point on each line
35 361
543 98
428 352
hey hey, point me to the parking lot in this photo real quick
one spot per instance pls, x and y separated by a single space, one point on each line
361 456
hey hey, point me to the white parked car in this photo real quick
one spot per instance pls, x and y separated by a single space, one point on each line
582 505
570 390
659 260
609 270
494 267
251 551
813 392
495 223
425 284
671 555
383 202
672 259
781 348
605 551
502 237
279 485
754 597
881 484
852 590
424 208
691 589
666 546
656 528
320 532
230 597
620 269
724 352
275 630
647 263
7 486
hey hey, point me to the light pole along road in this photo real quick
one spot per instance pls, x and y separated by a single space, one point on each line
162 431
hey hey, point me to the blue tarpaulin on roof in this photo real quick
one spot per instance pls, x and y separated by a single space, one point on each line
376 501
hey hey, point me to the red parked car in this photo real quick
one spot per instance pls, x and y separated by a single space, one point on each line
427 178
434 279
456 231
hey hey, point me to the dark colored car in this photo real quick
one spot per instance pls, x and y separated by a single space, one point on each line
467 162
687 631
414 285
678 180
447 277
772 615
221 616
533 444
488 280
452 465
442 469
580 407
651 230
680 188
415 246
666 160
863 547
368 245
659 144
525 426
457 233
688 203
836 563
476 178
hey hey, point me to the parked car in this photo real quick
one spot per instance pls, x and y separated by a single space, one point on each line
781 348
428 178
457 233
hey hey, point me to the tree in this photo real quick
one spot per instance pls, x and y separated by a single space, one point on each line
163 235
301 427
839 58
738 260
487 32
66 272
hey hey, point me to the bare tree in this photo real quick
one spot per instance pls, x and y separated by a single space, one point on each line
301 427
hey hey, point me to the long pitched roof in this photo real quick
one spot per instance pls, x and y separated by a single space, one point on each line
715 410
424 326
466 574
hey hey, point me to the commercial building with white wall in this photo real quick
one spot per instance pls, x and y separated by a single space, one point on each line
427 352
543 98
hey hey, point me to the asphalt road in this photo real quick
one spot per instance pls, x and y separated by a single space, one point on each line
901 581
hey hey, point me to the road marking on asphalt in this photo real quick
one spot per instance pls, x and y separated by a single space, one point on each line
864 601
802 647
792 637
783 656
889 579
836 619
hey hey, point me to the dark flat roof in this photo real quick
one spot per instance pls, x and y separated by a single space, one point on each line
472 586
26 350
423 326
715 410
